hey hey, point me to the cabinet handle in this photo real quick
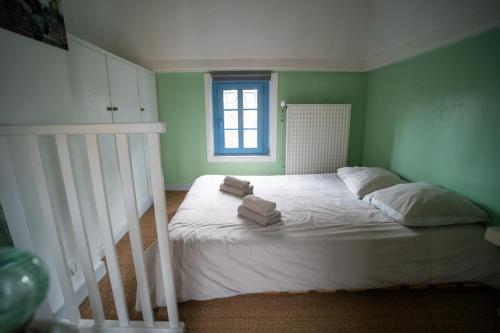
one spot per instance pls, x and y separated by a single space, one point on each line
115 108
109 108
142 109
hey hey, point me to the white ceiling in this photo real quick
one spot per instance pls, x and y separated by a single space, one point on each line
278 34
403 28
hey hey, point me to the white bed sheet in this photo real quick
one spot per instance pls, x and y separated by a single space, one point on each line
328 239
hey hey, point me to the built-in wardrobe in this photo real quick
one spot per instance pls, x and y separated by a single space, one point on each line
40 85
108 89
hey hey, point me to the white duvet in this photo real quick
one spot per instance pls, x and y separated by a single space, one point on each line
328 239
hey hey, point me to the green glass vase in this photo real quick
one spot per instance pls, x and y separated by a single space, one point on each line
24 282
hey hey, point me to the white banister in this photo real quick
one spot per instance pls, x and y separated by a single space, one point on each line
124 128
12 205
56 233
81 238
106 229
161 218
112 326
125 165
53 231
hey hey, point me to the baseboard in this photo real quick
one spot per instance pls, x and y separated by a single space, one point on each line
143 207
178 187
81 290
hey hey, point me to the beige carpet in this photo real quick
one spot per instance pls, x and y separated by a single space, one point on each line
442 309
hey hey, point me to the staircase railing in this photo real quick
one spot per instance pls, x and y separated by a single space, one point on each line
121 132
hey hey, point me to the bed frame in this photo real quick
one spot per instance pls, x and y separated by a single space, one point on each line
90 131
456 285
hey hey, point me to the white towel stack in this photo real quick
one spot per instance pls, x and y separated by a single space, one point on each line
259 210
236 186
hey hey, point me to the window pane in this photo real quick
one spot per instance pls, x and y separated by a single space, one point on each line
230 119
250 119
250 99
230 99
250 138
231 139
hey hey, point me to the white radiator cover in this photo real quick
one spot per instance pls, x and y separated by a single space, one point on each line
317 137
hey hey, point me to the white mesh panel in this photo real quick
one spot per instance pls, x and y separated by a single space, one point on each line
317 137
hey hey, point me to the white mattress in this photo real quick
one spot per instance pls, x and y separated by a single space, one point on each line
328 239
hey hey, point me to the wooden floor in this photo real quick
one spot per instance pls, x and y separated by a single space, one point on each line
442 309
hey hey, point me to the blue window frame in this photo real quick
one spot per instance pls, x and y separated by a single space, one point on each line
241 117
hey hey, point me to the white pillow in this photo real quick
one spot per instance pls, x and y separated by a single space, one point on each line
364 180
425 205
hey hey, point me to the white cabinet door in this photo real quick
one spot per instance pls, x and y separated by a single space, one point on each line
89 85
90 92
147 96
124 90
149 108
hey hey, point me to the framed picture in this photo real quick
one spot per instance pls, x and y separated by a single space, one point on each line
39 19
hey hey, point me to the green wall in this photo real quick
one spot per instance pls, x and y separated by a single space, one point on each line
436 118
181 105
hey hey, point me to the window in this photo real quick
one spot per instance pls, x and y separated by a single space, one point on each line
251 138
241 120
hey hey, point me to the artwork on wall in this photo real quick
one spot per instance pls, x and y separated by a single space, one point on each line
39 19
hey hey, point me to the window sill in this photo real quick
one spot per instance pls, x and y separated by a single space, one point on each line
241 158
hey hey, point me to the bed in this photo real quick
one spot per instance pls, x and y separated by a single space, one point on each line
328 239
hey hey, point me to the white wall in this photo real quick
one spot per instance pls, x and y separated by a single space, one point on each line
403 28
91 20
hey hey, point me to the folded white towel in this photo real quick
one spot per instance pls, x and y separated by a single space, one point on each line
258 218
259 205
235 190
236 182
